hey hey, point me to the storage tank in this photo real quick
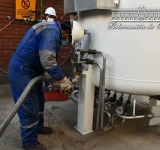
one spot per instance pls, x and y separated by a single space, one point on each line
133 55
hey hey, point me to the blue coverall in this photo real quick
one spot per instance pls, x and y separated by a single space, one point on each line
36 53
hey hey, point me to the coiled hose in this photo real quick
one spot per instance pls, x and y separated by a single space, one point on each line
18 104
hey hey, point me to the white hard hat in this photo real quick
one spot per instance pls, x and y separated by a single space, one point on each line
50 11
77 31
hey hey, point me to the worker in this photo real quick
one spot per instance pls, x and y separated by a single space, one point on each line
36 53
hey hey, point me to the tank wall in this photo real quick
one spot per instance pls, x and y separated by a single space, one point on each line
137 3
133 56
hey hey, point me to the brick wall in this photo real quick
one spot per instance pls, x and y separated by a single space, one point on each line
12 35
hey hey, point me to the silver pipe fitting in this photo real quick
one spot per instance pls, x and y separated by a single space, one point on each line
101 111
131 117
100 94
134 107
103 89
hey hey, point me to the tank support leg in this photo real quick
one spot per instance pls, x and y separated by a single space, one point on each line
85 102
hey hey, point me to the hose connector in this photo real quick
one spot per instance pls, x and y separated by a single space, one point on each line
92 51
89 61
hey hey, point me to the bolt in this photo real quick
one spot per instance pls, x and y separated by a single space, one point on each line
9 17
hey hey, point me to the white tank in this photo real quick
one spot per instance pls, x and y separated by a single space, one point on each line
133 55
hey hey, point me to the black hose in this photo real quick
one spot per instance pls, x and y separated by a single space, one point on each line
18 104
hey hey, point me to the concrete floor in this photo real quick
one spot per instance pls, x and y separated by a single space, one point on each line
61 116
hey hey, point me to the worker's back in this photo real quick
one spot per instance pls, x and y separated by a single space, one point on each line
44 35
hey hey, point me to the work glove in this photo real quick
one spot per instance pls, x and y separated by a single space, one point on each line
47 77
75 80
45 73
65 85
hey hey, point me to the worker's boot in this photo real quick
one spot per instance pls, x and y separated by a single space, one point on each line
45 130
38 146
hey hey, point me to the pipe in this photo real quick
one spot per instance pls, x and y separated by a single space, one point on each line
73 96
18 104
132 117
134 107
112 126
109 121
73 100
103 88
100 111
104 65
99 97
125 117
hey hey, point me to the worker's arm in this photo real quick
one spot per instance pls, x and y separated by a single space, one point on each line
48 51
